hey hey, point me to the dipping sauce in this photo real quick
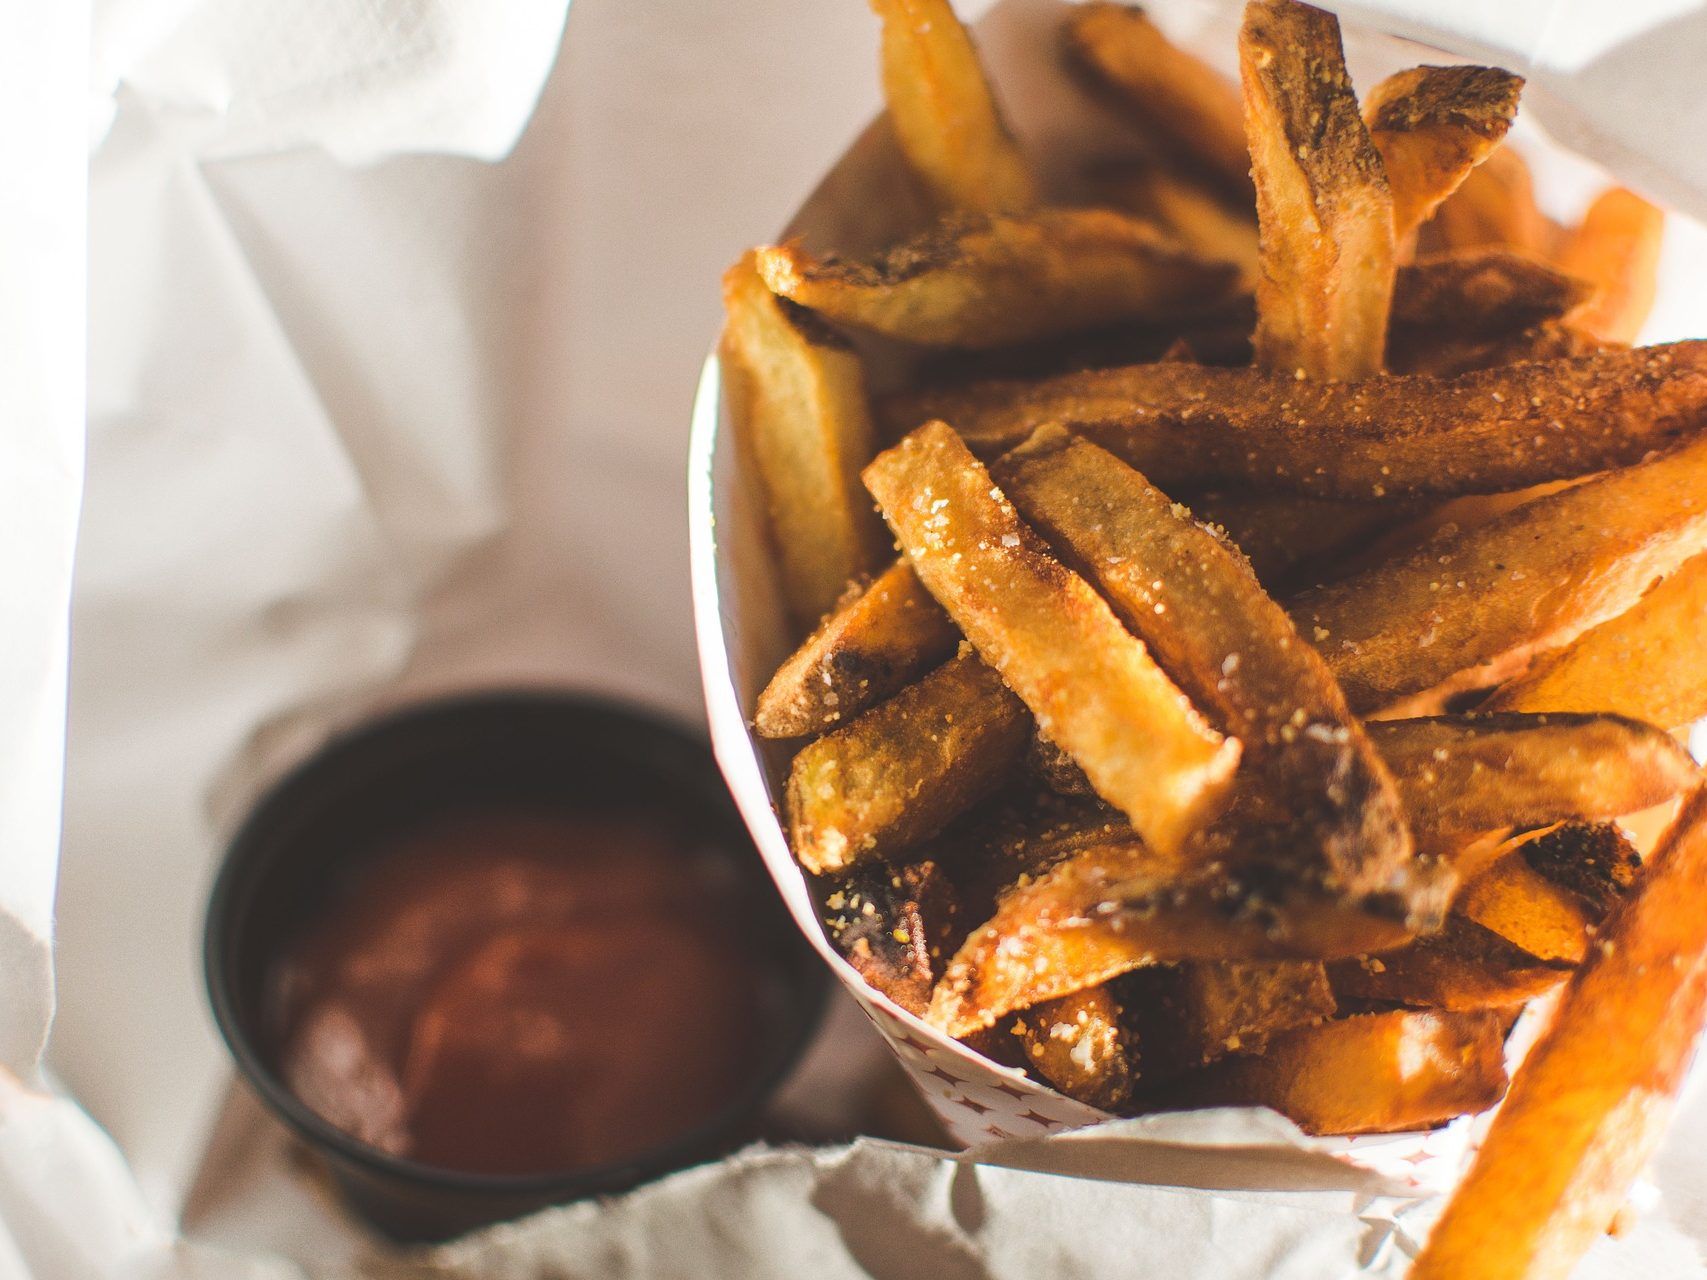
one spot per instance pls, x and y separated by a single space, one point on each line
524 991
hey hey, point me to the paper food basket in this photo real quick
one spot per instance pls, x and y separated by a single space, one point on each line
862 203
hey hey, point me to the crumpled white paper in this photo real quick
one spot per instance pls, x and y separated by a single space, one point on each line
362 433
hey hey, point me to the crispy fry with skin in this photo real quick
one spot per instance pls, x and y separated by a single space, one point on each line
1548 895
891 923
1462 967
1190 213
1324 212
1432 125
1494 205
899 773
797 395
1191 1014
875 643
1589 1102
1199 608
1117 905
994 282
1469 773
1095 691
1078 1045
1370 1073
1645 662
1184 103
1470 606
1188 426
1616 248
944 112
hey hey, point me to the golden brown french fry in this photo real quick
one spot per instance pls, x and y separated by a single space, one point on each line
1463 774
1324 212
1191 1014
944 112
892 925
1473 606
993 282
1116 905
1588 1104
1548 895
1645 662
1616 248
1479 294
1462 967
1185 103
1095 692
1286 536
1188 426
876 642
1189 212
1199 608
900 772
1494 205
797 395
1432 125
1370 1073
1077 1044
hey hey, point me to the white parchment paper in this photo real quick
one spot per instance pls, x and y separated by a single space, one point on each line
377 407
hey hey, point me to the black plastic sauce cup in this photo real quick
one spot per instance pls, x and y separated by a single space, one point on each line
311 832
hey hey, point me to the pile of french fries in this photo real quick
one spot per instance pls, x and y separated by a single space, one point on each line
1298 592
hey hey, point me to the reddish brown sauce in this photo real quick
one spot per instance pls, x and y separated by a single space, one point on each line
524 992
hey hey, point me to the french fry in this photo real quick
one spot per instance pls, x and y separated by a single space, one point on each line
1444 356
1644 663
1588 1104
1370 1073
1189 212
1470 607
1462 967
1286 536
1093 688
1192 112
797 396
1231 648
875 643
1464 774
1432 126
1191 1014
1494 205
993 282
1548 895
899 773
1117 905
1479 295
892 924
1324 211
944 112
1188 426
1616 248
1078 1044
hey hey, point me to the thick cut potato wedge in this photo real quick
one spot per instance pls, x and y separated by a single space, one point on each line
797 395
994 282
900 772
1078 1045
1494 205
893 924
1470 773
1462 967
1191 1014
1432 125
1616 248
1589 1102
1646 663
944 112
1197 605
1184 103
1188 426
1117 905
1469 607
1370 1073
1096 692
1549 894
1324 211
1189 212
876 642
